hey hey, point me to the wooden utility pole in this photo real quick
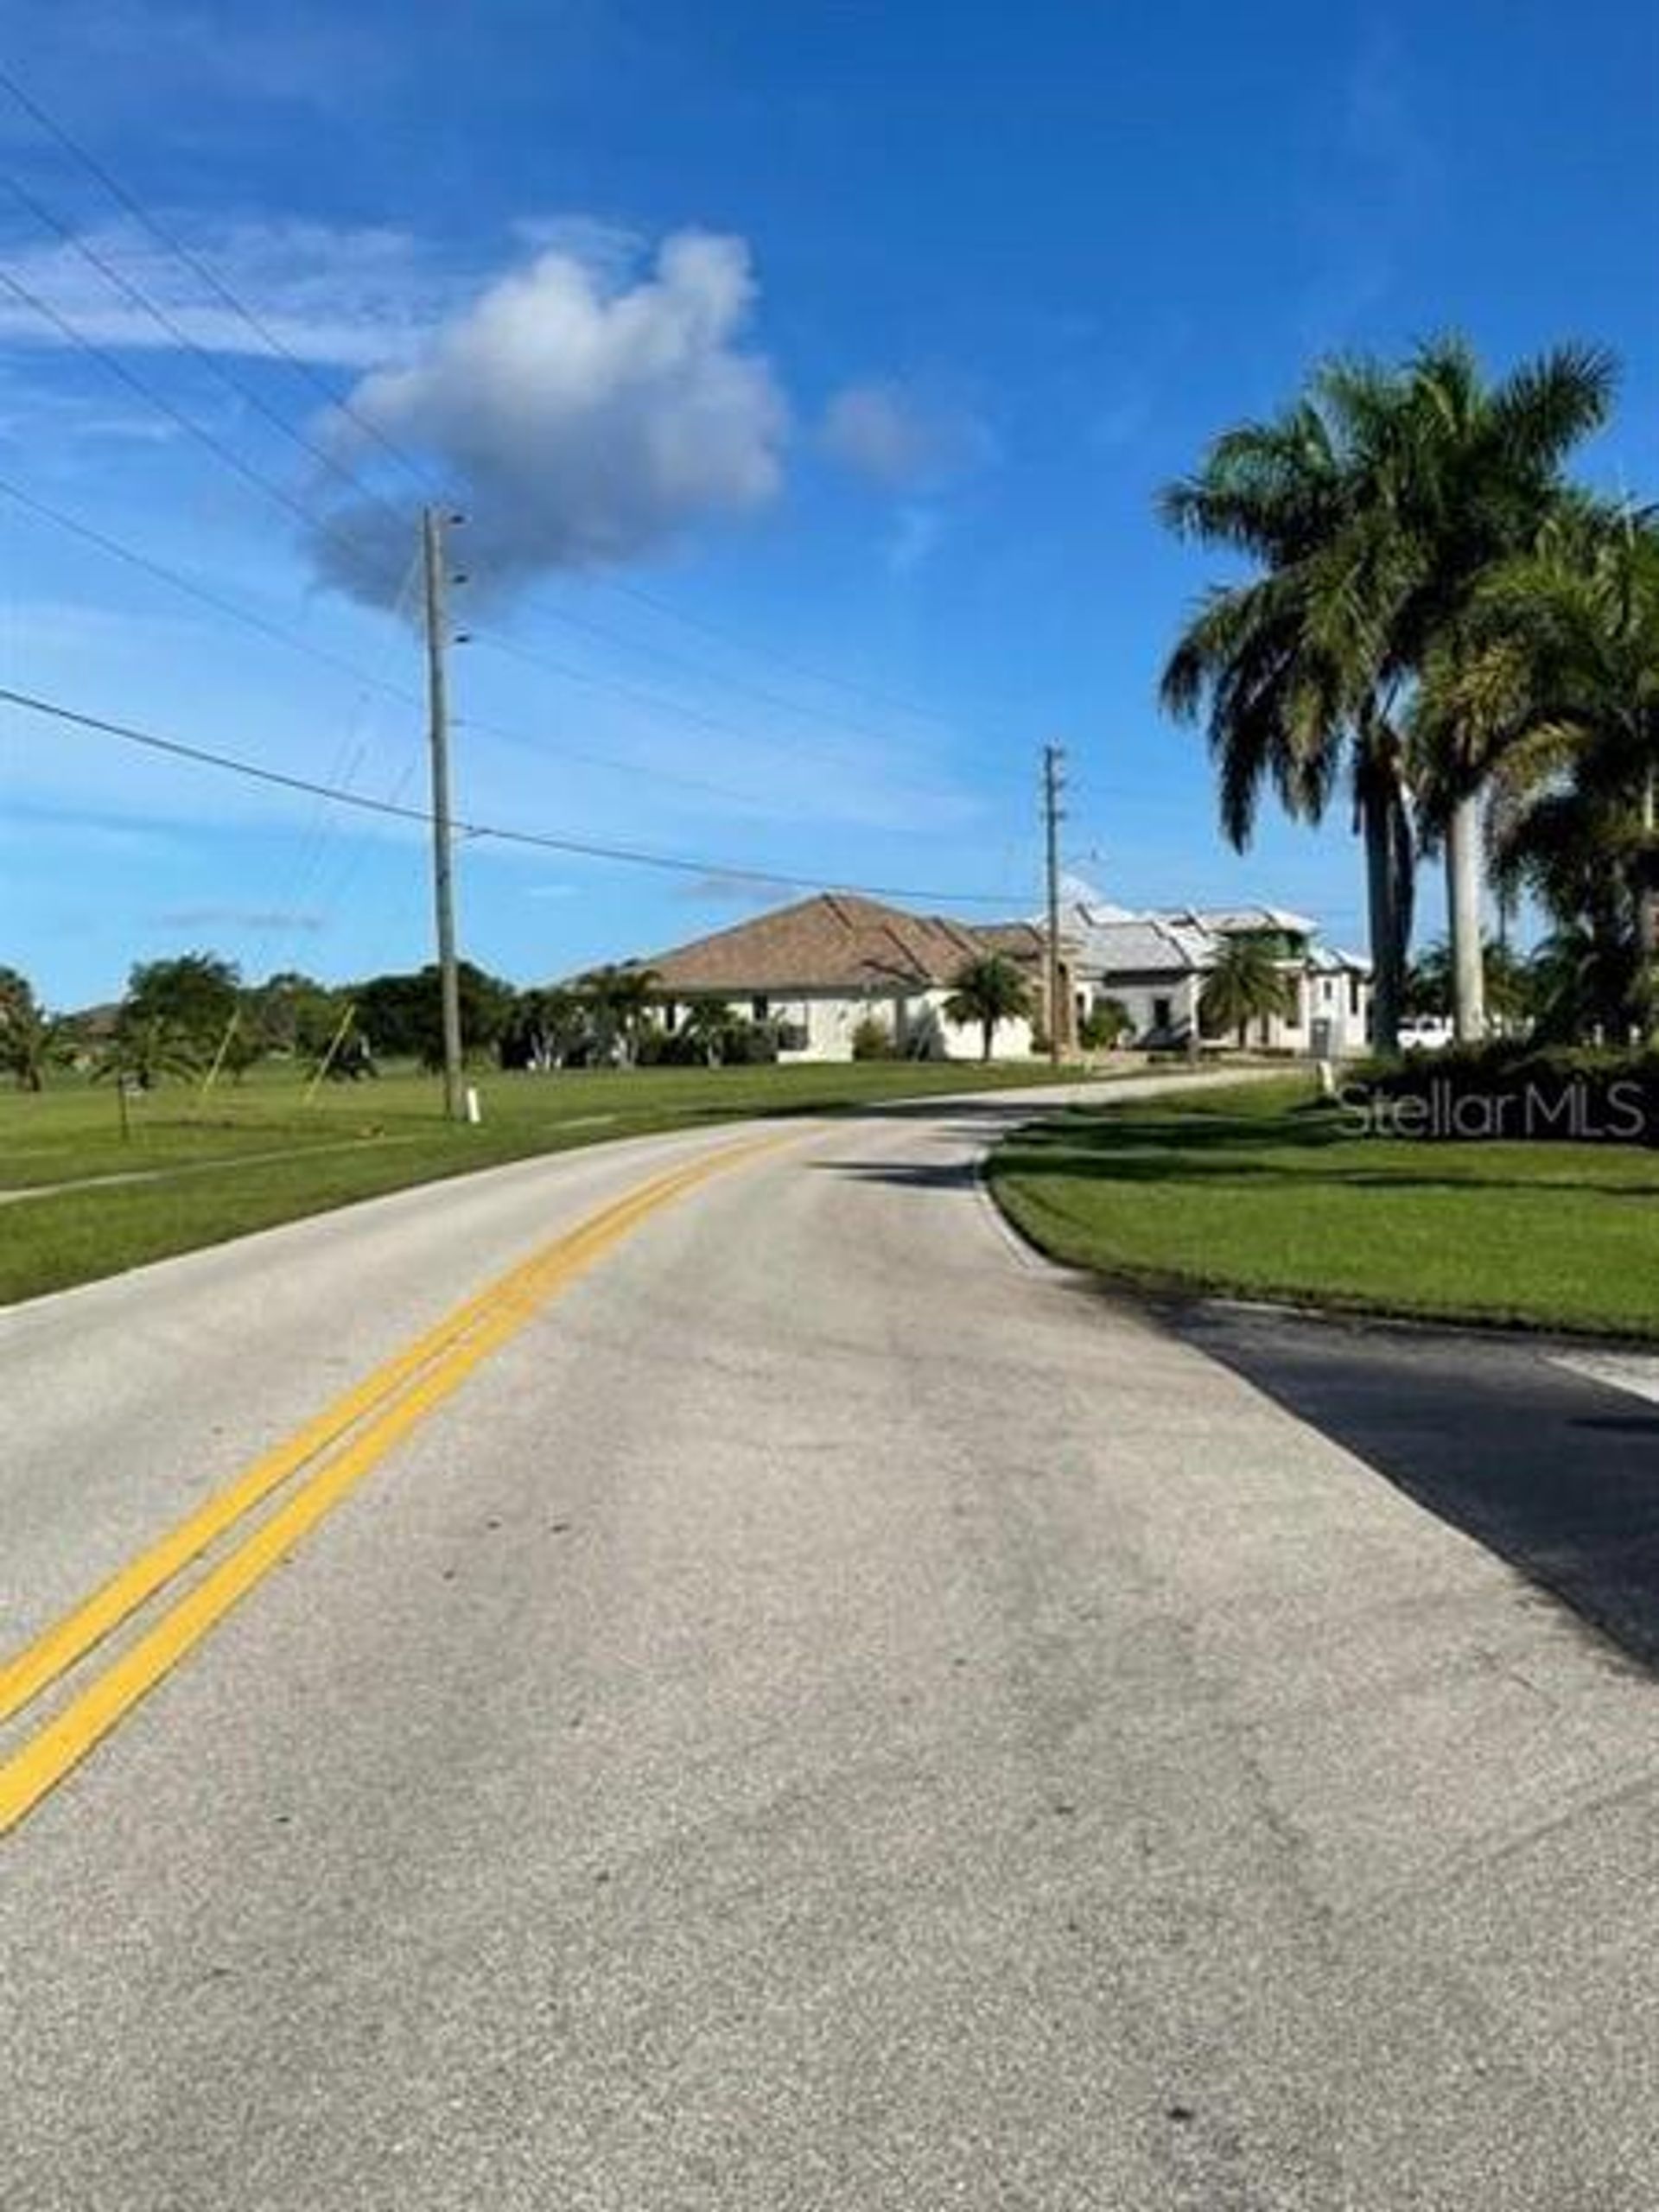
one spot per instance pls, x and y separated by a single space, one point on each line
443 897
1053 814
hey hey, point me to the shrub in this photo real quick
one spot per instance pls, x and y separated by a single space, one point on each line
873 1039
1105 1025
749 1044
1505 1090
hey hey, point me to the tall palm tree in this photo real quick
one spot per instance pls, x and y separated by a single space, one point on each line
1369 510
620 995
1245 983
1554 688
1480 477
987 990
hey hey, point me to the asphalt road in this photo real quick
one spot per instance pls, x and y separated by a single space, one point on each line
829 1712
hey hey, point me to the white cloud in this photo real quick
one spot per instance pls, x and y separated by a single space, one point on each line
237 917
717 890
352 298
882 431
580 421
611 250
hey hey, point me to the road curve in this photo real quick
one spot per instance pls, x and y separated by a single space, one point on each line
829 1712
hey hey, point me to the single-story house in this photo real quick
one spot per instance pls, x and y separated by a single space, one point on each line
1155 964
818 968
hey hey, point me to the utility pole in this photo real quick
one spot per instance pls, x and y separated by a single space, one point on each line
443 898
1053 814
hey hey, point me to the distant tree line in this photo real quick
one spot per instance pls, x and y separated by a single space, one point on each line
192 1014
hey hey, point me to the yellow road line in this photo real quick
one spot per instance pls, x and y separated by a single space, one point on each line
398 1396
24 1676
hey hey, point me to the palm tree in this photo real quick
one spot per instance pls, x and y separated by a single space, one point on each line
1244 984
1480 477
544 1028
1555 688
1106 1024
140 1055
619 994
31 1041
710 1026
1579 980
988 989
1371 509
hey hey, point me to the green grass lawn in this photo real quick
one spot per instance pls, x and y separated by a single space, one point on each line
254 1152
1264 1192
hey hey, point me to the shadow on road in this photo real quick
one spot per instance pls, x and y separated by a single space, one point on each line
906 1174
1556 1473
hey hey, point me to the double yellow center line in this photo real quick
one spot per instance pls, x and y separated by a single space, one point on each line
334 1452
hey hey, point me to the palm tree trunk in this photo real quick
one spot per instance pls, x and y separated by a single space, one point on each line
1464 874
987 1032
1389 883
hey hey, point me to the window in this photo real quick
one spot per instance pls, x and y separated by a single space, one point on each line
1353 993
759 1006
1162 1013
671 1015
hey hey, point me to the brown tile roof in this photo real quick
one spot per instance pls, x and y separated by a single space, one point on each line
1021 941
833 942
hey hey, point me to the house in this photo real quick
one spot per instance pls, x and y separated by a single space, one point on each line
1154 963
818 968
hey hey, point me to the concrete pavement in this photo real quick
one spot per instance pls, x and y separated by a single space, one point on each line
834 1715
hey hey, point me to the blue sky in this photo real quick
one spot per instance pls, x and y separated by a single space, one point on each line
805 373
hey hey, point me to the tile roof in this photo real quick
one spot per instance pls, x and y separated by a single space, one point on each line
1331 959
1021 941
1229 920
1118 942
832 942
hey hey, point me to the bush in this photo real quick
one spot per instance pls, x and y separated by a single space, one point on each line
1506 1089
659 1048
749 1044
873 1039
1105 1025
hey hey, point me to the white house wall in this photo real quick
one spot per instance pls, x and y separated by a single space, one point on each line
1319 996
917 1017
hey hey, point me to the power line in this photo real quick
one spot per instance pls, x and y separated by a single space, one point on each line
418 472
584 849
146 390
205 274
282 634
212 362
761 693
718 631
661 703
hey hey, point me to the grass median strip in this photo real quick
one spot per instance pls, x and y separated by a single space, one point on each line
338 1448
1266 1192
